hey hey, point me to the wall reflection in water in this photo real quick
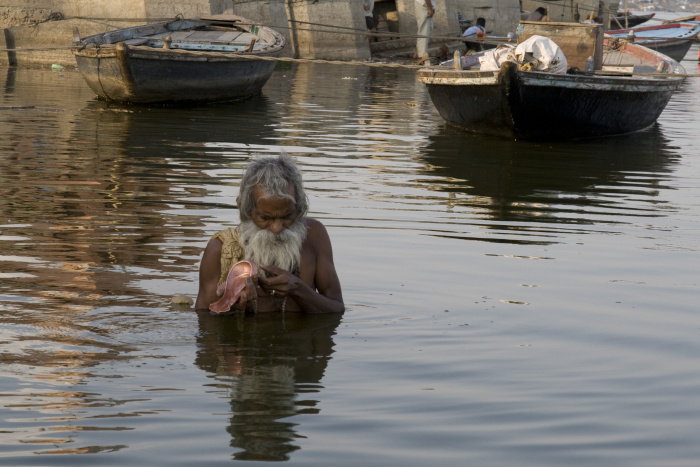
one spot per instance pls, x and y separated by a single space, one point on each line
275 365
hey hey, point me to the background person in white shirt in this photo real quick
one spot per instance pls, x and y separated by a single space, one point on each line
473 32
424 18
369 16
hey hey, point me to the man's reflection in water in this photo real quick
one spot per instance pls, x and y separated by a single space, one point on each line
274 361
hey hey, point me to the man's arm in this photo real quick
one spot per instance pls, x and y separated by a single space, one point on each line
431 11
209 273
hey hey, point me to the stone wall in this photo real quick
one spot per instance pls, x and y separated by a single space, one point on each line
272 13
300 21
310 18
46 26
564 11
283 15
502 16
17 12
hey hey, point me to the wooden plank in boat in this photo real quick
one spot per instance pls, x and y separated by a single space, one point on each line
230 36
139 41
174 35
205 36
245 38
180 35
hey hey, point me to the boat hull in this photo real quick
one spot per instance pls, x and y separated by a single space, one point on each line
630 20
534 105
143 75
676 49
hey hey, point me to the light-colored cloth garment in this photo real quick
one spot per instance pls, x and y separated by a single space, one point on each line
535 16
473 31
231 251
370 11
547 56
425 27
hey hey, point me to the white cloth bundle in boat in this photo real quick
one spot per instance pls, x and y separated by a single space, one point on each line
548 56
493 58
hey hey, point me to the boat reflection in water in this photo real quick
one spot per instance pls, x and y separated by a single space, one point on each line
272 365
550 182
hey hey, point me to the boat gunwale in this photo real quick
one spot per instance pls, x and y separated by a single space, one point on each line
612 82
151 53
674 70
692 30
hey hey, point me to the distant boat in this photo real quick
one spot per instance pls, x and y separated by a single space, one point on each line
215 58
626 19
539 105
671 39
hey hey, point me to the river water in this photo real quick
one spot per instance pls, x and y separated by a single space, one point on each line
508 303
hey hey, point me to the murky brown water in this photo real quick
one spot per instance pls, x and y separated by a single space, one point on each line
509 303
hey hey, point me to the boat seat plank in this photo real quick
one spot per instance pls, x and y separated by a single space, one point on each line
240 37
231 36
206 36
180 35
138 41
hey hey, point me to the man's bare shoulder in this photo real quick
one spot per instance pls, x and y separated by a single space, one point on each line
315 229
316 236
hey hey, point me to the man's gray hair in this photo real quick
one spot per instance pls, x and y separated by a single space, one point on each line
273 174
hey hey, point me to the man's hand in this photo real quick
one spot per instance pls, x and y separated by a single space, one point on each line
278 282
248 295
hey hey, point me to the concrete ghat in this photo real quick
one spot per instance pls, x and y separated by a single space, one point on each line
47 25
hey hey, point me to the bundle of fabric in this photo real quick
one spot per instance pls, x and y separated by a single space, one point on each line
537 53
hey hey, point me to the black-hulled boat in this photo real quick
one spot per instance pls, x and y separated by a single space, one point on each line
215 58
627 94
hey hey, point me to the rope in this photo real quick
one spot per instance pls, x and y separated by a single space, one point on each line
329 29
391 35
337 30
394 65
256 57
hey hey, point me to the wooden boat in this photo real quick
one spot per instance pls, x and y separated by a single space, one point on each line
614 99
215 58
671 39
625 19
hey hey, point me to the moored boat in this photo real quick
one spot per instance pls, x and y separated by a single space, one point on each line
215 58
626 92
627 19
671 39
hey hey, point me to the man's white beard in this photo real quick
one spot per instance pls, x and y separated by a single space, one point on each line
282 250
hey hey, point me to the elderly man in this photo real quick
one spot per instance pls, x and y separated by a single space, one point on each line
293 251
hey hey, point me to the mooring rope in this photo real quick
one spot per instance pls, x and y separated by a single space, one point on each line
374 64
328 29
